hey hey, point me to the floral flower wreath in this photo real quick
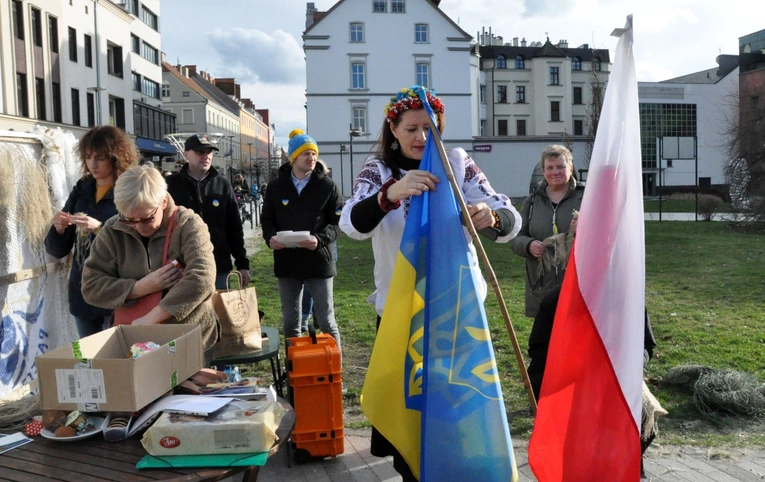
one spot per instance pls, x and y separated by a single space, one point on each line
407 99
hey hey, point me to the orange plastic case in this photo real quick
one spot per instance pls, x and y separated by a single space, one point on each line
315 379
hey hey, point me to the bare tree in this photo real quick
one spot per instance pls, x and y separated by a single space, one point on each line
744 130
597 93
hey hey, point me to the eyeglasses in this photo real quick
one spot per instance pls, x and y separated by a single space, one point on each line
133 222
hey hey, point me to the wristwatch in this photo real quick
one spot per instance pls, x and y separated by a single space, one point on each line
386 204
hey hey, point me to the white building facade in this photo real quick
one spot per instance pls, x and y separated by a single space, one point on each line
359 53
68 63
683 128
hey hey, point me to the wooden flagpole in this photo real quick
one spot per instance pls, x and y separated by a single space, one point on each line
487 265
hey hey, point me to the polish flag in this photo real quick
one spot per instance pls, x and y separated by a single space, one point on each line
587 424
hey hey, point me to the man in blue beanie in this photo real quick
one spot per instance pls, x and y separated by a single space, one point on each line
304 198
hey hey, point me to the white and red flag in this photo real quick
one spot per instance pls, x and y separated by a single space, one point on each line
587 425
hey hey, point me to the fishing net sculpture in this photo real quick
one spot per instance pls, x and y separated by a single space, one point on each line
720 393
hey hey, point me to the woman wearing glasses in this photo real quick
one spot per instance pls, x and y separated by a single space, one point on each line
105 153
126 260
547 212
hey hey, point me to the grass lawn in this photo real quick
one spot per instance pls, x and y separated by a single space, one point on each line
704 294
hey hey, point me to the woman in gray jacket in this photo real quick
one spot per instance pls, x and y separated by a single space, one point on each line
547 212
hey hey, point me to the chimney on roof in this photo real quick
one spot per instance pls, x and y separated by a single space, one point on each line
498 40
515 41
584 46
523 42
191 70
563 44
310 9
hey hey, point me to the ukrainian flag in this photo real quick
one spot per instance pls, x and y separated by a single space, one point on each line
432 388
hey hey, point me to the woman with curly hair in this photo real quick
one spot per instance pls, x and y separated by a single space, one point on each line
105 152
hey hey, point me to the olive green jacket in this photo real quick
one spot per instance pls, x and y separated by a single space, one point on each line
537 214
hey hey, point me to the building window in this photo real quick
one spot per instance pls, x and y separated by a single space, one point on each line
186 93
421 33
596 64
520 127
423 75
357 32
576 63
75 107
359 118
555 111
56 101
40 96
554 76
117 112
663 120
22 100
133 5
165 90
150 53
380 6
136 81
135 44
502 127
18 19
577 95
398 6
114 60
520 94
37 27
501 94
91 99
501 62
520 63
53 34
358 80
148 17
72 44
88 51
578 127
482 94
187 116
150 88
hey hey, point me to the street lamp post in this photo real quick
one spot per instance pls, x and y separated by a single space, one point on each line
352 133
249 159
342 182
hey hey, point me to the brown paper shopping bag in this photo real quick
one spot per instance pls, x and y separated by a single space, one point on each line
237 311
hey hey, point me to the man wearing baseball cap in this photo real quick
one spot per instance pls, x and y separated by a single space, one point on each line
198 186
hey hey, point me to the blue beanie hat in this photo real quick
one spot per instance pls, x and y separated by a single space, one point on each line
299 143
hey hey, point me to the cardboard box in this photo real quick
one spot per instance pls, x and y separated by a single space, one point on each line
97 374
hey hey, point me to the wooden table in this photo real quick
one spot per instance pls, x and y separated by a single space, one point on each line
269 351
95 459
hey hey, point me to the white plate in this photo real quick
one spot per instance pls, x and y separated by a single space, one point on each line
99 427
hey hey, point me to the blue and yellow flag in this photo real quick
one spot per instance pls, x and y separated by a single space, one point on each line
432 388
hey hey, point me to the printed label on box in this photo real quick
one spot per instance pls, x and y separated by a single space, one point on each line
80 386
227 439
171 347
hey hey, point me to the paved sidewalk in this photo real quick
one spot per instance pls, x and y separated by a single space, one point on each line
662 464
730 217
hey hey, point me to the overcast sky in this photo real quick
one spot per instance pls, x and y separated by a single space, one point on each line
259 41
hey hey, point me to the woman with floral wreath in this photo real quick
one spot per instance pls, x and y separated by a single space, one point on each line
105 153
381 196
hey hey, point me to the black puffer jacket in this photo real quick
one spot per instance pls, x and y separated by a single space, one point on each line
82 199
213 198
316 209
